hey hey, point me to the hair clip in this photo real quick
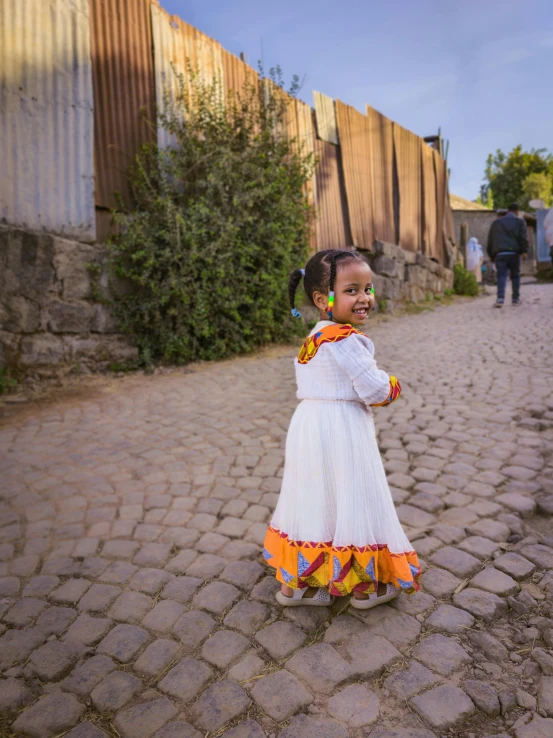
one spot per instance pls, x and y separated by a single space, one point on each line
296 313
330 304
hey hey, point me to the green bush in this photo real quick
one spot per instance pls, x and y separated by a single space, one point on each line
6 382
464 282
221 219
545 275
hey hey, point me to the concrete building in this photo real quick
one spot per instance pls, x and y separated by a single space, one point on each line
478 220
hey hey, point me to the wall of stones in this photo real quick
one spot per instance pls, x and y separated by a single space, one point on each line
51 321
49 318
405 276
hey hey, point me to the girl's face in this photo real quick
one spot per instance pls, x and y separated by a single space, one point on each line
353 298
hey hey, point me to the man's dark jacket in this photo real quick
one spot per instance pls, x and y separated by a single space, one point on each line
507 234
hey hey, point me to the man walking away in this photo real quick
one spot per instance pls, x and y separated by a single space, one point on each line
507 242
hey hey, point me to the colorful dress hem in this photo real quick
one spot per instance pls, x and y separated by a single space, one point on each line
340 569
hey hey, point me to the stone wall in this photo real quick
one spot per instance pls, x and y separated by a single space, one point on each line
49 318
404 276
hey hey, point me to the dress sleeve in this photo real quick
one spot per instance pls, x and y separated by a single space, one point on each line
355 357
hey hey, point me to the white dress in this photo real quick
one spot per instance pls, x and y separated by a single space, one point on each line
335 524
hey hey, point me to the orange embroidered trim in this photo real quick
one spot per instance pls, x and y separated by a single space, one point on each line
395 392
340 569
328 334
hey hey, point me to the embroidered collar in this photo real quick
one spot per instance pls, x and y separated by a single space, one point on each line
329 334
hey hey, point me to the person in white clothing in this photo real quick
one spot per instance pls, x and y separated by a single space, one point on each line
335 530
475 258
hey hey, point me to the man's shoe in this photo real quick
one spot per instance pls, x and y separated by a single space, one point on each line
517 302
499 303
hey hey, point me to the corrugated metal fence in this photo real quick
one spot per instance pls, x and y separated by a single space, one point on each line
409 175
176 46
46 117
357 165
381 137
79 84
124 91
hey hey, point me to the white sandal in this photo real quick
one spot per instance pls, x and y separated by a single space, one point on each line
374 599
321 598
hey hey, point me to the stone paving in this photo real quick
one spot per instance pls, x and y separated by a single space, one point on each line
135 603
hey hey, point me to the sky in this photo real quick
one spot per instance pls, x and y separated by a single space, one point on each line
481 70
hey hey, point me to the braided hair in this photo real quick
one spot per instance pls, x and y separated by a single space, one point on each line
293 282
319 275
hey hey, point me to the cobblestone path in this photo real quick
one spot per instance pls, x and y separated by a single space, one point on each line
134 601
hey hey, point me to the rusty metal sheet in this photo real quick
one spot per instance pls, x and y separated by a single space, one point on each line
175 44
304 114
289 124
297 125
291 118
332 219
327 129
124 91
306 143
409 174
356 158
449 224
440 169
382 153
236 73
46 117
430 217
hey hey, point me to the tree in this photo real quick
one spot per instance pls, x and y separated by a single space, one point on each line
537 186
505 175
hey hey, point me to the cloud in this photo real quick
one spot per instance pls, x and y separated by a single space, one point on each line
509 56
514 49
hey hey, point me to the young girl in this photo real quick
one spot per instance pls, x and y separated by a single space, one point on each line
335 530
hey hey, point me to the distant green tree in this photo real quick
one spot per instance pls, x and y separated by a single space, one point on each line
505 175
537 186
